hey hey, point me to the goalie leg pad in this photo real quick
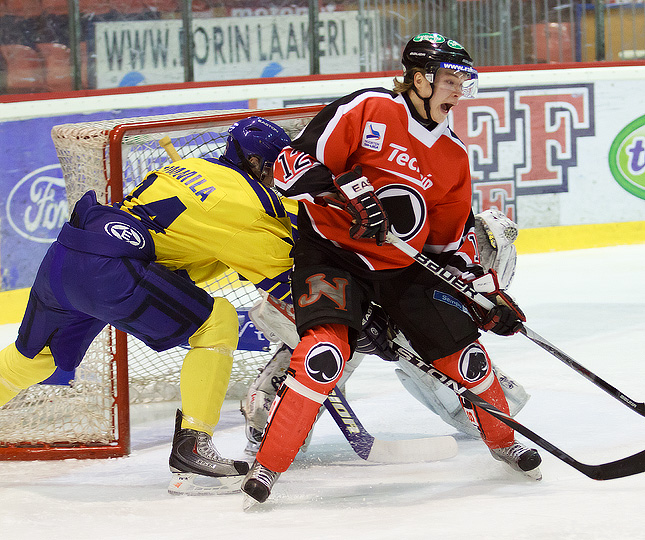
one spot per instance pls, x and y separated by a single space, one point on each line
257 402
445 403
436 397
515 394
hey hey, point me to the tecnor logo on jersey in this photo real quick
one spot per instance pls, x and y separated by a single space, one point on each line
627 158
125 232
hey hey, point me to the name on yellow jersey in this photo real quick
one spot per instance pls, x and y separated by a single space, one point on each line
191 179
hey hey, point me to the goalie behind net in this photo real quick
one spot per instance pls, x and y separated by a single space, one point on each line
111 157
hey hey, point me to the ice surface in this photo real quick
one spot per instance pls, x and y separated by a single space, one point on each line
590 303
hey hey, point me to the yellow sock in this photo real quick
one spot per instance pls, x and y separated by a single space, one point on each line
18 372
207 368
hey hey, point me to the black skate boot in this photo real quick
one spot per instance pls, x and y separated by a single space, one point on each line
521 458
257 484
197 466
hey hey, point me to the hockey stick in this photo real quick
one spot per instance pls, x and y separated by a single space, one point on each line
372 449
281 322
628 466
276 319
638 407
468 290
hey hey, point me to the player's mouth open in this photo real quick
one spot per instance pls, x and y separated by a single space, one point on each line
445 107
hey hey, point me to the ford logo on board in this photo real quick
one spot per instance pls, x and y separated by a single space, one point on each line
37 205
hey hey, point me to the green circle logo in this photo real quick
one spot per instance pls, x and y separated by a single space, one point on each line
432 38
627 158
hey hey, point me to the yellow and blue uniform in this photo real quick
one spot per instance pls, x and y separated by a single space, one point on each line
206 217
126 265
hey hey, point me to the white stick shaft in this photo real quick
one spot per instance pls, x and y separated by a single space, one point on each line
442 273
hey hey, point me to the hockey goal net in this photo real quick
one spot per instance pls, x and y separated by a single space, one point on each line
86 414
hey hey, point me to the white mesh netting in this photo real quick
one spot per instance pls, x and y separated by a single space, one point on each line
84 411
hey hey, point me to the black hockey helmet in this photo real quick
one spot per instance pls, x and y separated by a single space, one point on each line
254 136
431 51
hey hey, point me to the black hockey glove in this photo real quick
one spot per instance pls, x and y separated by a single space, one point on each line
375 336
506 318
357 197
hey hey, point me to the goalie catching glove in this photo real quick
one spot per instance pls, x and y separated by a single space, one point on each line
506 318
357 198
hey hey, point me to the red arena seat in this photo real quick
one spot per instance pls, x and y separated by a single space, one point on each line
58 67
25 69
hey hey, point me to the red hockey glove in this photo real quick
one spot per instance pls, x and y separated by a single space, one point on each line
369 219
506 318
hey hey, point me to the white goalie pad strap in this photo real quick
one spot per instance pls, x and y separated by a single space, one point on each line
275 319
304 391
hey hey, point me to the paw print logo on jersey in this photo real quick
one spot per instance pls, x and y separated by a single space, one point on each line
323 363
123 231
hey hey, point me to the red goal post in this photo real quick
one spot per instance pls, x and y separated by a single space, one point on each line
88 414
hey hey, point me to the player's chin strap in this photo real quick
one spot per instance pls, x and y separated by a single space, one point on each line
468 290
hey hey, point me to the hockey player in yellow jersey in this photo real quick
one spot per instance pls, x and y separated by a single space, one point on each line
222 218
185 223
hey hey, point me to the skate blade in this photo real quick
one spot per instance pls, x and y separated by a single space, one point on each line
533 474
197 484
248 503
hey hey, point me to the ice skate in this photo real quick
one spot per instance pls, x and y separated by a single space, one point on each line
521 458
257 484
198 468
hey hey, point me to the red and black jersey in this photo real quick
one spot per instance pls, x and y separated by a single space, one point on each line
421 176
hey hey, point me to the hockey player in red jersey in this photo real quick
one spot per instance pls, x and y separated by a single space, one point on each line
371 162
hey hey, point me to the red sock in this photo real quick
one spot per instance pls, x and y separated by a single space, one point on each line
316 365
472 368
